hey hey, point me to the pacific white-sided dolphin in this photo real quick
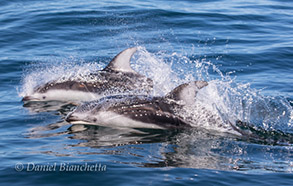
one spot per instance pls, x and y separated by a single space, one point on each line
117 78
138 111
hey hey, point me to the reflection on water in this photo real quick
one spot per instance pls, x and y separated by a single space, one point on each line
201 149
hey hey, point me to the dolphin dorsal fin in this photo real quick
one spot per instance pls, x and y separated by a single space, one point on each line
186 91
121 62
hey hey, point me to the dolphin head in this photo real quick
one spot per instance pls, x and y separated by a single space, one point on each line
37 95
75 91
81 118
84 114
42 93
104 112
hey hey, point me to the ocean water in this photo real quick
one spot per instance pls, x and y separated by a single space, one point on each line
242 48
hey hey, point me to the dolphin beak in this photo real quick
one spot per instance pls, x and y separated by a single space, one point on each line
70 118
74 120
29 98
26 98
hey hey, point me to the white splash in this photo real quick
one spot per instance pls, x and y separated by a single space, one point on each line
37 74
223 101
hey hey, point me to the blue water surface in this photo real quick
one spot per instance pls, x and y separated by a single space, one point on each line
241 42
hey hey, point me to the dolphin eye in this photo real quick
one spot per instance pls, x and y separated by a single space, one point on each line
94 120
44 97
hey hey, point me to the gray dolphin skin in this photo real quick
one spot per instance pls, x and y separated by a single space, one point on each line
117 78
138 111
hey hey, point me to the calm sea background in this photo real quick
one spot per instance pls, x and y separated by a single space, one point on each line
251 42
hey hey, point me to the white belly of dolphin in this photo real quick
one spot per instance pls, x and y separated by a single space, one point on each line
71 95
111 119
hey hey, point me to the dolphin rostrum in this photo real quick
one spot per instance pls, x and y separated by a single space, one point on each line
138 111
117 78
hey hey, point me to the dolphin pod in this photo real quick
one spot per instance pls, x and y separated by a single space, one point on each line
118 96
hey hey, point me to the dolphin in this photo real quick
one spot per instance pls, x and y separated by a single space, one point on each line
117 78
138 111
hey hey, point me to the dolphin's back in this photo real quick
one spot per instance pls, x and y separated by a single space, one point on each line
101 82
